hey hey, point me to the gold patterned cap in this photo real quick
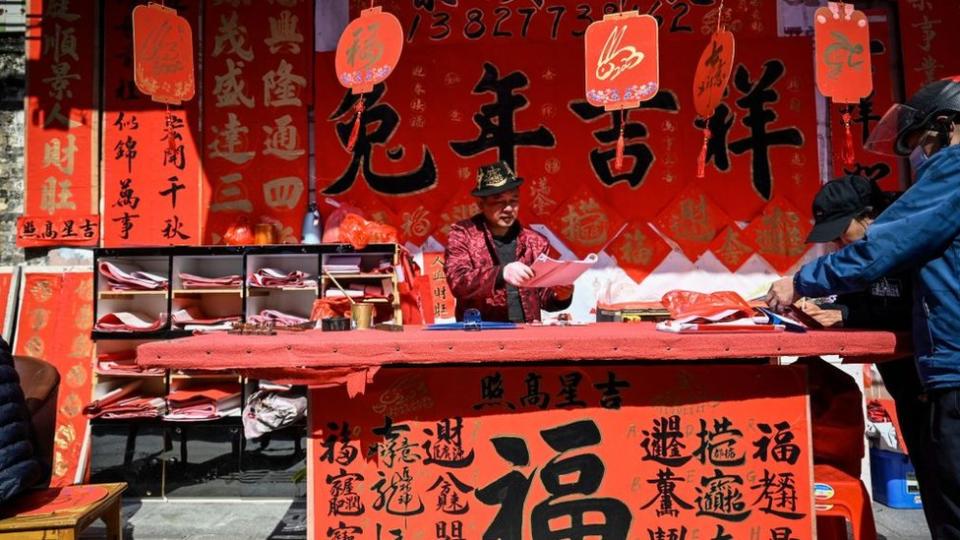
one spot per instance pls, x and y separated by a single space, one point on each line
494 179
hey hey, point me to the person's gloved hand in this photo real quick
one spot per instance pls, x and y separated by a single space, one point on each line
517 273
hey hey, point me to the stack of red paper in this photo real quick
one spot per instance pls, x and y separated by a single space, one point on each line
121 403
203 402
278 318
123 363
192 318
190 281
135 280
124 321
273 278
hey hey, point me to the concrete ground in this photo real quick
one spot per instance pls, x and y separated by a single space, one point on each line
283 520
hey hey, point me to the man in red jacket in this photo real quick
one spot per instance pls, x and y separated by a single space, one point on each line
488 256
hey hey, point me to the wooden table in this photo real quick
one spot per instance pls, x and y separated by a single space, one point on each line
66 523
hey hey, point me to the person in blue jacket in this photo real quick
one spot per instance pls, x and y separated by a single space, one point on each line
920 233
19 469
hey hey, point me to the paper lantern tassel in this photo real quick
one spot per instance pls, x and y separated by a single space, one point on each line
702 159
618 162
848 154
355 133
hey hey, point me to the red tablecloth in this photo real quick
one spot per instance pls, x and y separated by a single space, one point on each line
415 345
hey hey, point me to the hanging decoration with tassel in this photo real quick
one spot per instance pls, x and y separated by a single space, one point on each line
358 68
710 82
622 54
843 64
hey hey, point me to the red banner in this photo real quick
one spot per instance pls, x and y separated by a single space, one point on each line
153 188
926 38
564 452
61 123
54 323
257 87
505 82
6 288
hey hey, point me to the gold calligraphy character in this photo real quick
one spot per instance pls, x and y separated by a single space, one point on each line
59 9
733 250
586 223
614 59
282 139
284 32
82 347
416 223
283 193
63 42
231 195
692 222
781 234
55 155
51 201
928 34
39 318
229 87
230 142
541 203
636 249
56 115
368 50
59 81
280 87
233 35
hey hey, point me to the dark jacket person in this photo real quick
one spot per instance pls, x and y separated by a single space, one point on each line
18 468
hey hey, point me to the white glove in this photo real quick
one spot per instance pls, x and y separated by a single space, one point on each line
517 273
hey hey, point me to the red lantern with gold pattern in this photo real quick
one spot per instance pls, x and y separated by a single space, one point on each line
709 84
844 69
163 54
622 60
369 50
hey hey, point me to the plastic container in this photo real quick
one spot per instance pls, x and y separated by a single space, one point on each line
894 480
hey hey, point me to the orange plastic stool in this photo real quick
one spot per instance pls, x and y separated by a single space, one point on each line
839 495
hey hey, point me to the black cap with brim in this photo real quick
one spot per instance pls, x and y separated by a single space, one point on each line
490 191
494 179
830 231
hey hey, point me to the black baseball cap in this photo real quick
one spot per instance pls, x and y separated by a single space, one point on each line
837 203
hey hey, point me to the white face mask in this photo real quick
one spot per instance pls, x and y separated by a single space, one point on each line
918 157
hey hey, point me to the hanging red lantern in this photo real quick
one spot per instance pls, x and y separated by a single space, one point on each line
163 54
622 64
710 82
843 66
367 53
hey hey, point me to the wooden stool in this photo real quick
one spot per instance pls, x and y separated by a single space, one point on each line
63 513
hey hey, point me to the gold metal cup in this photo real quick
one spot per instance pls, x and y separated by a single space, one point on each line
362 315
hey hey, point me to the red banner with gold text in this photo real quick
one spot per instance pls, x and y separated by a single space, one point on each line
257 87
153 189
564 452
478 84
61 191
54 323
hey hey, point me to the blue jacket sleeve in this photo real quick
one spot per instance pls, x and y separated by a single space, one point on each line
919 225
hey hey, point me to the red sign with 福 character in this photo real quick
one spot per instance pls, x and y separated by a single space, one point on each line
611 452
61 123
369 50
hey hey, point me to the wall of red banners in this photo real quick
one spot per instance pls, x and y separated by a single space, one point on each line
480 84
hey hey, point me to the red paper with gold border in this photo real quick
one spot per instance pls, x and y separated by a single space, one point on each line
584 223
442 301
54 324
61 122
639 251
732 247
467 94
637 452
780 234
257 88
153 184
692 220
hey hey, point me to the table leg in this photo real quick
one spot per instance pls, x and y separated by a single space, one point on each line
113 518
